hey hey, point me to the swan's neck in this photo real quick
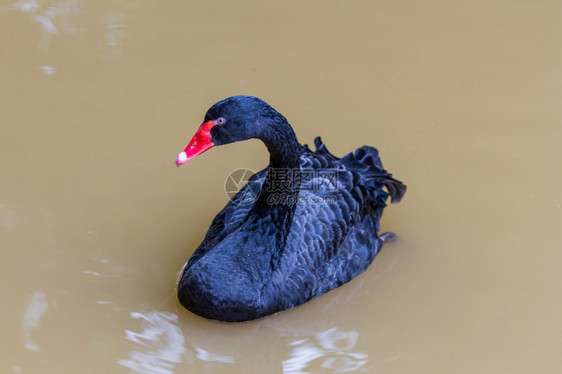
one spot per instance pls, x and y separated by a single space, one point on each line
282 144
279 196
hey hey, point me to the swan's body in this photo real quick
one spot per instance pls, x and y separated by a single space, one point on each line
313 226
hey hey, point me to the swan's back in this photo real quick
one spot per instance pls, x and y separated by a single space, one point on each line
335 230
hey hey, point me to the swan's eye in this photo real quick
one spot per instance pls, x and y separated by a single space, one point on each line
220 121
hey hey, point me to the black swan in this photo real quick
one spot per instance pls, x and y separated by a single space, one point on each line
312 223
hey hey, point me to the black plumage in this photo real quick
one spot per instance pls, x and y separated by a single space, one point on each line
312 222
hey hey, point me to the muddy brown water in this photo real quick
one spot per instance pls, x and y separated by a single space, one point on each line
463 100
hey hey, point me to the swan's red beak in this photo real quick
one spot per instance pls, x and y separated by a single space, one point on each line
200 142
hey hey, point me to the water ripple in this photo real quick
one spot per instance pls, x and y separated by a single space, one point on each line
36 308
158 347
331 349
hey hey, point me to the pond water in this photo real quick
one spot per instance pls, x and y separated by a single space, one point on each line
463 100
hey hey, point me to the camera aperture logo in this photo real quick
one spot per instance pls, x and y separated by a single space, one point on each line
236 181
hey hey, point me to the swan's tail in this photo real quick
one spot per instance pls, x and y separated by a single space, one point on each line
396 189
367 163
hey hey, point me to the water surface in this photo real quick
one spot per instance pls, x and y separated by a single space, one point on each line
462 100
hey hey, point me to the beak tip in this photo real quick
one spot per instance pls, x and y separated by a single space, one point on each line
181 159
